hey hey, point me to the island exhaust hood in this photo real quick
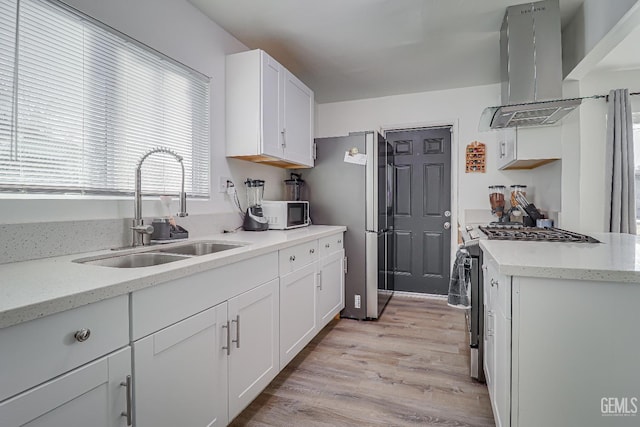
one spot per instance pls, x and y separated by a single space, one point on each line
530 68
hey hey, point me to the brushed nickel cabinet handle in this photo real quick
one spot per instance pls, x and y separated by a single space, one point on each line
129 412
237 322
228 346
82 335
320 280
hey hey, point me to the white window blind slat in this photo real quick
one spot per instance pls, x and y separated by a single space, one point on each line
90 102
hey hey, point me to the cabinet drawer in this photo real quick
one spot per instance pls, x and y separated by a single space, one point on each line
298 256
330 244
35 351
91 395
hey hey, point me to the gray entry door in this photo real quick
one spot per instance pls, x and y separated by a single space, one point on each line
422 209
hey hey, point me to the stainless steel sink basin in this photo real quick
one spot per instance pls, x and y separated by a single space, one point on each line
199 248
144 259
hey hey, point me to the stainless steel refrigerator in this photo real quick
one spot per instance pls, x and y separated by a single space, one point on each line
352 184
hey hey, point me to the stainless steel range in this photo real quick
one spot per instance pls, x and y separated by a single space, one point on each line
519 232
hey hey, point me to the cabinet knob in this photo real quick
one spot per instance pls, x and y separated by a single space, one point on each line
340 241
494 282
82 335
312 251
327 245
292 258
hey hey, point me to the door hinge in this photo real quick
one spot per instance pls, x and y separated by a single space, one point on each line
315 151
345 265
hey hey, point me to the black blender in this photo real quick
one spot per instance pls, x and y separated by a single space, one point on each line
254 219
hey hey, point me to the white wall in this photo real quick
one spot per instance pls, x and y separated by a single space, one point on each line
177 29
461 107
592 127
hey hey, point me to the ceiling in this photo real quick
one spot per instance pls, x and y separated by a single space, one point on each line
355 49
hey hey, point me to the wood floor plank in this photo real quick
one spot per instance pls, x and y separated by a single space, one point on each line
410 367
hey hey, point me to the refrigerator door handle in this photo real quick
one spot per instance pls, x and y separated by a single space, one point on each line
371 182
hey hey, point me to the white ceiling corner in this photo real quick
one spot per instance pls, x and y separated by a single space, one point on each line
355 49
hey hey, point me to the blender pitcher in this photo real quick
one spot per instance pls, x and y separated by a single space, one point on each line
293 188
254 219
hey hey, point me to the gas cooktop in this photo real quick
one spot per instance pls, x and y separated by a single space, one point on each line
519 232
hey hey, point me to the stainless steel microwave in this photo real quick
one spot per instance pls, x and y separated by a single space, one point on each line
284 215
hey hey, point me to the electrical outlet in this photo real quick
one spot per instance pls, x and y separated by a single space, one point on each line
356 303
222 184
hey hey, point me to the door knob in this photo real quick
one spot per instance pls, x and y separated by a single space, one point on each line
447 213
447 225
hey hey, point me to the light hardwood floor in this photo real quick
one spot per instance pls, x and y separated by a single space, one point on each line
408 368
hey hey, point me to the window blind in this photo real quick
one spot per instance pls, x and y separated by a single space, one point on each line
81 103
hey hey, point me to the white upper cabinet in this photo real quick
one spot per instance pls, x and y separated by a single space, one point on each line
269 112
528 148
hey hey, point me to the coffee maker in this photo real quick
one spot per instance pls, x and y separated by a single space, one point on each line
254 219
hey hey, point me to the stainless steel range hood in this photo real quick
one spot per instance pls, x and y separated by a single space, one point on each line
530 68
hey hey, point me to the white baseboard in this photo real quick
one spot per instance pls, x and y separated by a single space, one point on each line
419 295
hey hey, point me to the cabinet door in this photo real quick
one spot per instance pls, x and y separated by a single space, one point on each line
502 375
271 106
489 351
298 120
253 361
506 147
330 287
489 327
502 337
498 343
92 395
298 321
181 373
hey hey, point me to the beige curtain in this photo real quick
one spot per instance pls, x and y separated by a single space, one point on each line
620 202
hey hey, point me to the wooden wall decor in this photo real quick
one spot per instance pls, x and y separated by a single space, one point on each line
476 157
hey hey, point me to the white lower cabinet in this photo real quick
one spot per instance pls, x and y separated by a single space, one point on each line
96 394
298 319
253 339
311 291
330 287
202 346
181 373
204 370
497 344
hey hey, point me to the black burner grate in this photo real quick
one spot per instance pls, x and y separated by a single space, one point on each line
535 234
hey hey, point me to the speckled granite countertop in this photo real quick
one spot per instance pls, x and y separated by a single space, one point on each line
33 289
615 259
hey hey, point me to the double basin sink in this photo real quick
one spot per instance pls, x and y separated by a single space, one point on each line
160 255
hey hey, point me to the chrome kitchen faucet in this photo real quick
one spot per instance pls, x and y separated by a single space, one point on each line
139 229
